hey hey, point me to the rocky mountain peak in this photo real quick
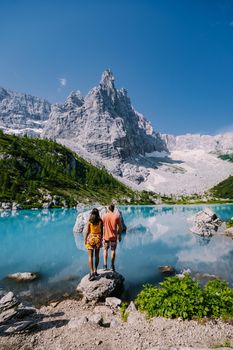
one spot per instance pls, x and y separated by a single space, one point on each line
3 93
107 79
105 125
75 99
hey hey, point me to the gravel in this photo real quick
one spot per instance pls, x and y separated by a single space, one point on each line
53 332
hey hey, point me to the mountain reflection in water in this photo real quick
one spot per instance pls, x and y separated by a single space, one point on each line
43 241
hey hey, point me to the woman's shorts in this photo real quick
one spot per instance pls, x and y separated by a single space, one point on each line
110 244
94 242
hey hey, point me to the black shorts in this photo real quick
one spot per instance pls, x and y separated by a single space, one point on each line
110 244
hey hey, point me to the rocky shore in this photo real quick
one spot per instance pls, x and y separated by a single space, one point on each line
78 325
95 322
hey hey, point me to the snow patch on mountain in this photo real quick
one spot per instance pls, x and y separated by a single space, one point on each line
222 143
187 172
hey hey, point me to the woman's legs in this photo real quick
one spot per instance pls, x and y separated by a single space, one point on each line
90 260
97 257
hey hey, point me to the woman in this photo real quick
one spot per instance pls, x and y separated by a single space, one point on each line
93 241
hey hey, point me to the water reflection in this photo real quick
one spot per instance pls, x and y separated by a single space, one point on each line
43 241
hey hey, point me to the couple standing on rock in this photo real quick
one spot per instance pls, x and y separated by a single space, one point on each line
102 232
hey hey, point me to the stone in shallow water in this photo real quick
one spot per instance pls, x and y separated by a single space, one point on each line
167 269
202 276
23 276
107 284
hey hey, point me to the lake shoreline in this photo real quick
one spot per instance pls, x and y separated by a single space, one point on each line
13 206
62 326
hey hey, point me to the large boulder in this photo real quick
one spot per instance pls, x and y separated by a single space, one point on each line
83 217
8 301
107 284
13 314
206 223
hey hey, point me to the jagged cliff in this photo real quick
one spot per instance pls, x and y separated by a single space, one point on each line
22 113
103 123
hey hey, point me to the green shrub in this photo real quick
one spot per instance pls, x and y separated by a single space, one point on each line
184 297
31 168
123 312
225 344
230 223
219 298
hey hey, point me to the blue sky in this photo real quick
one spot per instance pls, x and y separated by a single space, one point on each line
175 57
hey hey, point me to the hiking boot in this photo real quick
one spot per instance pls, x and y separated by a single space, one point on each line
91 277
96 274
113 268
105 268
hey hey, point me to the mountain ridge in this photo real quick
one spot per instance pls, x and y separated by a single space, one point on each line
104 128
22 113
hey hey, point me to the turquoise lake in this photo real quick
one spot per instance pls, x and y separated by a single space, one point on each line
43 241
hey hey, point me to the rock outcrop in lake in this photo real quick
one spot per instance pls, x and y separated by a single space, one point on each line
107 284
206 223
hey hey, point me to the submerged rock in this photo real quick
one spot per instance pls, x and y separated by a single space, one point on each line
204 277
23 276
167 269
107 284
206 223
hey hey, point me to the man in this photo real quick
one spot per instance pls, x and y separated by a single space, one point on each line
112 231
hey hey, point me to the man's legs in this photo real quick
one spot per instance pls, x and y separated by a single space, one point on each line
113 255
113 245
105 256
